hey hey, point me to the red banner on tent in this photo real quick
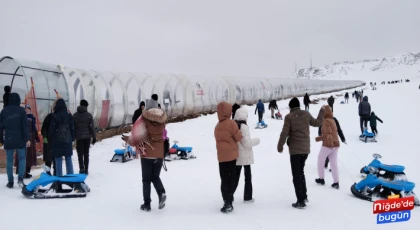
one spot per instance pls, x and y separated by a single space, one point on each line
30 100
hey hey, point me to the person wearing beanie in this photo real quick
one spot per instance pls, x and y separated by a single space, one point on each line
296 133
260 109
138 112
84 129
7 91
153 102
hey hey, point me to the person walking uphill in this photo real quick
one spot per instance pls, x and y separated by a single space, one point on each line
296 132
273 106
373 118
138 112
61 136
346 97
306 101
14 123
227 134
364 113
46 147
331 102
260 108
84 131
340 133
330 146
246 156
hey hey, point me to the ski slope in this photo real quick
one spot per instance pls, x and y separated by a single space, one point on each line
193 186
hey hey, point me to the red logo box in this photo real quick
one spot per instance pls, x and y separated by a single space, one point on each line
393 205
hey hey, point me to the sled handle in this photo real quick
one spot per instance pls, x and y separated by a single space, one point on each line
176 142
377 156
372 170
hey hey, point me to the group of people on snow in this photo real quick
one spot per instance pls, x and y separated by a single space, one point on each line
19 134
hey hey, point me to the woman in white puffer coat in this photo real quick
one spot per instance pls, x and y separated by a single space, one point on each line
246 156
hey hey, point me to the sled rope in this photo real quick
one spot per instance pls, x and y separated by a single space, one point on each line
352 152
346 169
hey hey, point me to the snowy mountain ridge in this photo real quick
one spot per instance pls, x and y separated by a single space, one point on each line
405 65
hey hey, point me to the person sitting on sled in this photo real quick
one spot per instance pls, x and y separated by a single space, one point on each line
340 134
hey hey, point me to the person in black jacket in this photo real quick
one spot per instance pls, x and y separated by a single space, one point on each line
6 95
46 155
340 133
14 123
273 106
235 107
138 112
331 102
306 101
346 97
84 130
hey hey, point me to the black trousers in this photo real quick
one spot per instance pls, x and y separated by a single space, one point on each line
374 130
298 165
363 121
326 162
82 148
49 163
307 107
150 169
332 107
227 172
248 181
260 116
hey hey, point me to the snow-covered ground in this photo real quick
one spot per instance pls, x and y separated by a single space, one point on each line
193 186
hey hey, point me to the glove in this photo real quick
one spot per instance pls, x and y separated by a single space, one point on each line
318 139
280 150
93 141
345 142
45 140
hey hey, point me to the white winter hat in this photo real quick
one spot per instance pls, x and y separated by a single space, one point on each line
241 114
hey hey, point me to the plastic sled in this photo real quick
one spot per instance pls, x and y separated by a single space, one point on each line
278 116
176 153
36 189
123 155
367 136
390 172
373 188
261 125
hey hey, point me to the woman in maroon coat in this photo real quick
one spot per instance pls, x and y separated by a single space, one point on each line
31 158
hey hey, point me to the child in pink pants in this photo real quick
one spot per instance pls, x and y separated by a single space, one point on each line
330 146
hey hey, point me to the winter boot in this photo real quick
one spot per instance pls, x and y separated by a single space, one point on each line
320 181
82 171
27 176
20 182
9 184
227 208
335 185
145 207
299 204
162 200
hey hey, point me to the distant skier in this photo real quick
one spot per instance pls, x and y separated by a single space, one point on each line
372 120
273 106
364 113
306 101
260 108
331 102
346 97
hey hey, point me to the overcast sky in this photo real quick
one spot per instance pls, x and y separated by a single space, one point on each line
220 37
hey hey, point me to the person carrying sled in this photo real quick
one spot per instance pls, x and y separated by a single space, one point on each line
329 149
260 108
14 123
46 148
306 101
364 113
227 134
152 155
297 135
138 112
235 107
331 102
273 106
61 137
31 158
372 122
84 129
246 156
340 134
346 97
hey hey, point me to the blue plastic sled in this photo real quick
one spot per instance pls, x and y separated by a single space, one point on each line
261 125
390 172
76 182
123 155
176 152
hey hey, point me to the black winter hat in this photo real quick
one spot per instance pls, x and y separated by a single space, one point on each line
84 103
294 103
7 89
155 97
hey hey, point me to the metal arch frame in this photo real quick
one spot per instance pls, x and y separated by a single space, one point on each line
111 95
91 78
179 84
125 97
15 73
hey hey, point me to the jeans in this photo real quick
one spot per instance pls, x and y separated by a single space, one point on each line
298 166
82 148
150 169
59 165
248 181
21 154
227 172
